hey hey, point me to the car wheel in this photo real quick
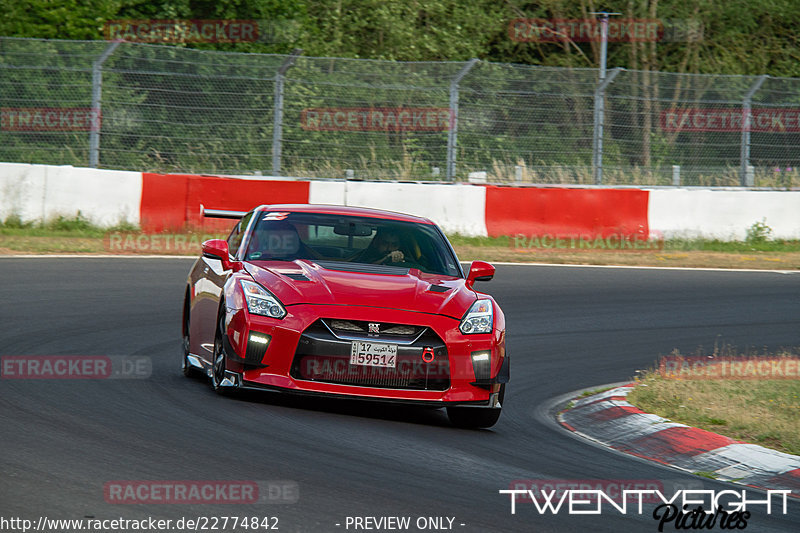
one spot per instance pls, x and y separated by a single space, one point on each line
188 370
220 361
472 417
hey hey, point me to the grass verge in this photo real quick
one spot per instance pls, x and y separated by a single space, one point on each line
757 252
592 392
58 235
78 235
764 412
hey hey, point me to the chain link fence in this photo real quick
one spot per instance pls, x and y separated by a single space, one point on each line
173 109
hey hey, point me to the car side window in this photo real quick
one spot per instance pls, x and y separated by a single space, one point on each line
235 238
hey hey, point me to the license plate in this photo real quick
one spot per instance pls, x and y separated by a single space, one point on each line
373 354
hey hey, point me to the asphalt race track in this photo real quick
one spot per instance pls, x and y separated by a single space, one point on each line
568 328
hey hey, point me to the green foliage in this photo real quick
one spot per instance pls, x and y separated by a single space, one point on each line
201 112
671 245
78 223
728 37
709 475
462 240
759 232
592 392
715 245
56 19
14 221
61 226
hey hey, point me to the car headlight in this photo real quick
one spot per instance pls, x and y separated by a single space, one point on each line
479 318
260 301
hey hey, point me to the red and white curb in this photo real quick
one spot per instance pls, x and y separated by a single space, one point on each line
609 419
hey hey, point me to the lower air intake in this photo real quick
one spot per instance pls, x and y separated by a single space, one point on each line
410 373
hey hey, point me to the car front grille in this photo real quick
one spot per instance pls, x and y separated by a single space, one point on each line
324 357
385 331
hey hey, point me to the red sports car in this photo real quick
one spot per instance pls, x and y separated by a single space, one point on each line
345 302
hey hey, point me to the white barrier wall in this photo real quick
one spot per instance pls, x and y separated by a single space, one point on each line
723 214
22 191
41 192
456 208
108 197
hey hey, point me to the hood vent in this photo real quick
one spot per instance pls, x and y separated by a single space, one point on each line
294 276
438 288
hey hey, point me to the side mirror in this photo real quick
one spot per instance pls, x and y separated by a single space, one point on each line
479 271
218 249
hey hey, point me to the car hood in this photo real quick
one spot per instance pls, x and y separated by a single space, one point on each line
340 283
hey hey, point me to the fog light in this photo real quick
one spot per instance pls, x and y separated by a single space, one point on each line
257 345
481 364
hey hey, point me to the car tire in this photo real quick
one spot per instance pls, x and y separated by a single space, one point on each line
219 360
474 418
188 370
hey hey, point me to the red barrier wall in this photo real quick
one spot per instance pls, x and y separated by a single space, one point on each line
171 202
565 212
163 204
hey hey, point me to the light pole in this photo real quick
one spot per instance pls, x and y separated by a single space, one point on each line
277 113
600 99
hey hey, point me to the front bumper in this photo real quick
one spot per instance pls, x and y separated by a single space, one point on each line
298 346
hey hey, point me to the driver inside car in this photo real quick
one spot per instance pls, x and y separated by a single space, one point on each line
384 248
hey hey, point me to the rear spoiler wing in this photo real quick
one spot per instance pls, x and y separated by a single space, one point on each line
221 213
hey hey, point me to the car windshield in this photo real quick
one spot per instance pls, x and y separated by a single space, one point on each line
287 236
